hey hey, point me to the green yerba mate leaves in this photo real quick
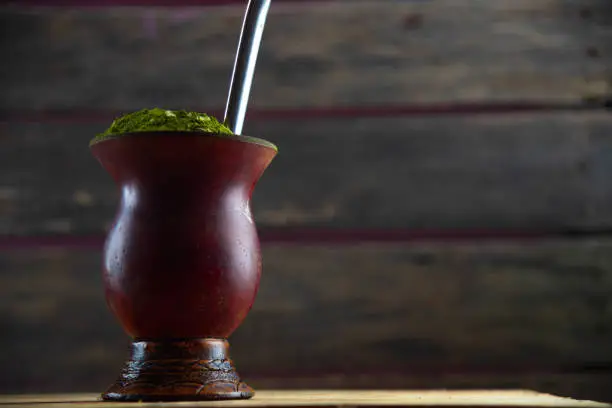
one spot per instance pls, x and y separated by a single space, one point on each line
156 119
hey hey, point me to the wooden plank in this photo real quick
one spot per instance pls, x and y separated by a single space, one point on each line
522 172
128 3
340 398
510 309
314 54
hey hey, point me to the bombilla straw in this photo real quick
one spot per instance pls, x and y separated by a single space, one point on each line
244 65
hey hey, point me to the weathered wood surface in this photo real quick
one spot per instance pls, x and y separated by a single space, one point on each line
418 309
546 172
335 398
413 309
524 171
314 54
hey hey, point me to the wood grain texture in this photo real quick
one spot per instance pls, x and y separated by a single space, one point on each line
318 398
471 315
412 309
130 3
314 54
547 171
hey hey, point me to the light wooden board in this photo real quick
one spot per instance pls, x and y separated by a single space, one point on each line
314 54
489 398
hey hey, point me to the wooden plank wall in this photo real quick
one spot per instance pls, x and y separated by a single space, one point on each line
482 121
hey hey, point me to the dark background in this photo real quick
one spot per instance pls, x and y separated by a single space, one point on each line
439 215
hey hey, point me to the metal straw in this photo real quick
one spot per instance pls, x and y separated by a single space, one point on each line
244 65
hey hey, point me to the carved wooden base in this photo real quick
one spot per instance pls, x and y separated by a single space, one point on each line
186 370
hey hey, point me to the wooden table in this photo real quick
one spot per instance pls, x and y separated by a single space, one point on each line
287 399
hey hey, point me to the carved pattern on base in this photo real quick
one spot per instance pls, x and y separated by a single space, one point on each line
168 372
